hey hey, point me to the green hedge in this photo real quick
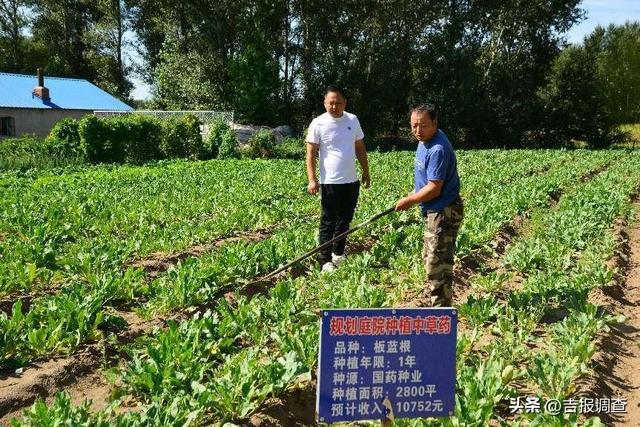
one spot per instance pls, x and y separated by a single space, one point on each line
144 139
181 138
217 130
229 147
135 138
94 136
64 138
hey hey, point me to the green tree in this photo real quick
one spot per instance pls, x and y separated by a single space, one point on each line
617 51
13 21
107 45
574 104
255 88
482 63
61 25
183 82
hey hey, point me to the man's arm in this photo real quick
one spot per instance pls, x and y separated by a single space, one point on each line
426 193
312 155
361 154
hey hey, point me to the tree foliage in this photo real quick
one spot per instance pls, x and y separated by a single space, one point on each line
270 60
487 65
574 102
68 38
617 53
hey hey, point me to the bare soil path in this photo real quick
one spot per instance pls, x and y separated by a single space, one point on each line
617 364
78 373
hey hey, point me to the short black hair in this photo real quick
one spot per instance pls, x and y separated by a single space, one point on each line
425 108
335 89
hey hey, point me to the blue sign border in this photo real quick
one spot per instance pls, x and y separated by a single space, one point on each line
439 356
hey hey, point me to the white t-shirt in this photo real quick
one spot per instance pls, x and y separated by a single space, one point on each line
337 140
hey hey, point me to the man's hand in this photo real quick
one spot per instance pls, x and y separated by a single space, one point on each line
405 203
313 186
366 180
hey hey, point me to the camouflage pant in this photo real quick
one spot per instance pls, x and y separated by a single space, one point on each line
440 232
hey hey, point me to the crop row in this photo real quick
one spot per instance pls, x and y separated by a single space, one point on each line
209 364
542 334
62 321
60 228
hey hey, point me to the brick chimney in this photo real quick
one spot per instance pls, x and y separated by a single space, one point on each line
41 91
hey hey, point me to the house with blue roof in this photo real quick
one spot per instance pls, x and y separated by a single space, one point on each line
31 105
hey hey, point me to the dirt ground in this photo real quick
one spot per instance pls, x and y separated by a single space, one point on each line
617 363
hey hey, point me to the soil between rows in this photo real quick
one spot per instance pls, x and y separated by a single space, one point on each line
617 362
79 374
158 262
296 408
153 265
42 379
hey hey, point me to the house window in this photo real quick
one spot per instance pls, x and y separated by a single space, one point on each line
7 126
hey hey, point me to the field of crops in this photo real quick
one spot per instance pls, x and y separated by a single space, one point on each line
136 277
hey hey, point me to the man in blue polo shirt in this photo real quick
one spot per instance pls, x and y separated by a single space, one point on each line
437 190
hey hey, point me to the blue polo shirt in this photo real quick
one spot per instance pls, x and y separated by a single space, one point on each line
435 160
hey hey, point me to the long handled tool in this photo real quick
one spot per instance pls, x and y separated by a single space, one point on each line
325 244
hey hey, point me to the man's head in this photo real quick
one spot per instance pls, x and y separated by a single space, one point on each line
334 101
424 121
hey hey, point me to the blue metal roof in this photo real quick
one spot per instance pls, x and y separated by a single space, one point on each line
71 94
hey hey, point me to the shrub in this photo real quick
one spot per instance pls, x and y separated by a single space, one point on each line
193 138
262 144
181 137
217 129
290 148
135 138
143 139
94 136
64 138
228 145
116 134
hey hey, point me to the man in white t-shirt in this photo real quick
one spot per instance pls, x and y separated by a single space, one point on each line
337 138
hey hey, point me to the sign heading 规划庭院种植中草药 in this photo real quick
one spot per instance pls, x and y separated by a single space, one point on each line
386 363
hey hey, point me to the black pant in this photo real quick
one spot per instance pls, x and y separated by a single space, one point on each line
338 204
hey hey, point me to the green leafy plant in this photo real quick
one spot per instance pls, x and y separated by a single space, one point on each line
263 144
290 148
216 131
181 137
228 148
64 138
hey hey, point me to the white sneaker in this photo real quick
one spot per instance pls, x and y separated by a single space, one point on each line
328 267
338 259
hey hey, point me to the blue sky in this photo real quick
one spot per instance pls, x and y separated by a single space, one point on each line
599 12
604 12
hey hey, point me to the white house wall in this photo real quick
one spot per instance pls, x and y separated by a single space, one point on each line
37 121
